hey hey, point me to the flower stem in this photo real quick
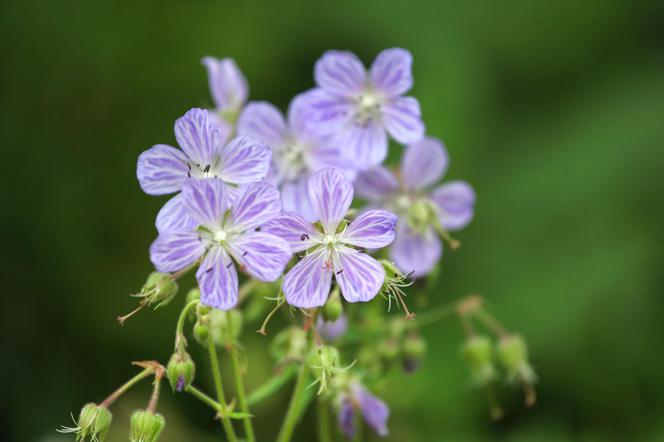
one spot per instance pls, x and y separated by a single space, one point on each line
294 406
272 386
154 399
179 333
324 434
239 387
216 373
147 371
198 394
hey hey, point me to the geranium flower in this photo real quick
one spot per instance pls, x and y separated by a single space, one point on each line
359 108
333 246
224 230
229 89
423 213
374 411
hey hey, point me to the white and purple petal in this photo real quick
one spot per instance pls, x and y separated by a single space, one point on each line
292 228
391 72
255 204
332 330
402 119
364 145
307 284
244 160
376 184
174 251
174 216
264 256
327 113
227 83
456 203
198 136
372 229
206 200
331 195
415 252
295 198
358 275
340 72
424 163
217 280
374 410
161 170
264 122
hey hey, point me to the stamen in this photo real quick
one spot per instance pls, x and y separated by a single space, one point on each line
304 236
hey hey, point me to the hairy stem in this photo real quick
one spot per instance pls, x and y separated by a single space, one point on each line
294 406
216 373
127 385
198 394
239 387
179 334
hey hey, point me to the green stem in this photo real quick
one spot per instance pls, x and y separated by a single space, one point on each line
216 373
198 394
271 386
324 434
130 383
239 387
154 399
179 334
491 323
294 406
433 316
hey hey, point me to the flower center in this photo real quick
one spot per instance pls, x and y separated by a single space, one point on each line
329 239
202 171
368 108
290 160
220 236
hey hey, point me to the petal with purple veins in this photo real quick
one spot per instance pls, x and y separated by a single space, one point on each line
227 83
415 252
374 410
264 122
424 163
174 251
262 255
307 284
358 275
376 184
402 119
205 200
255 204
244 160
456 201
391 72
327 113
340 72
173 216
295 198
217 280
365 145
198 136
331 195
161 170
292 228
372 229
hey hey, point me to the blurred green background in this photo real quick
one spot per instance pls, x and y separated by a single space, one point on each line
553 110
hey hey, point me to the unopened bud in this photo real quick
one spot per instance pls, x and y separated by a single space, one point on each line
388 349
201 332
324 363
513 355
225 326
414 349
159 289
478 353
180 370
93 423
146 426
333 308
289 344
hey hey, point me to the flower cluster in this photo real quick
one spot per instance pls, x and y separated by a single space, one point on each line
264 203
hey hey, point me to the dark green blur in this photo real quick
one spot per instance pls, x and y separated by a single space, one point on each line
553 110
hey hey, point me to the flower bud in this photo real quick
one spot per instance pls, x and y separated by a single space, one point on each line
159 289
146 426
201 332
414 349
324 363
180 370
225 326
388 349
93 423
289 344
513 355
477 352
333 308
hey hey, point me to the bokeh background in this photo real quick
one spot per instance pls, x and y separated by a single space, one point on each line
553 110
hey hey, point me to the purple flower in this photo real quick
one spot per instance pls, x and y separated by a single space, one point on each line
331 330
332 245
417 246
164 169
228 85
359 108
223 230
296 152
374 411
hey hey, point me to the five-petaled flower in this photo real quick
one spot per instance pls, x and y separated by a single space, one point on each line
164 169
229 89
374 411
224 229
296 151
333 246
423 214
358 107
